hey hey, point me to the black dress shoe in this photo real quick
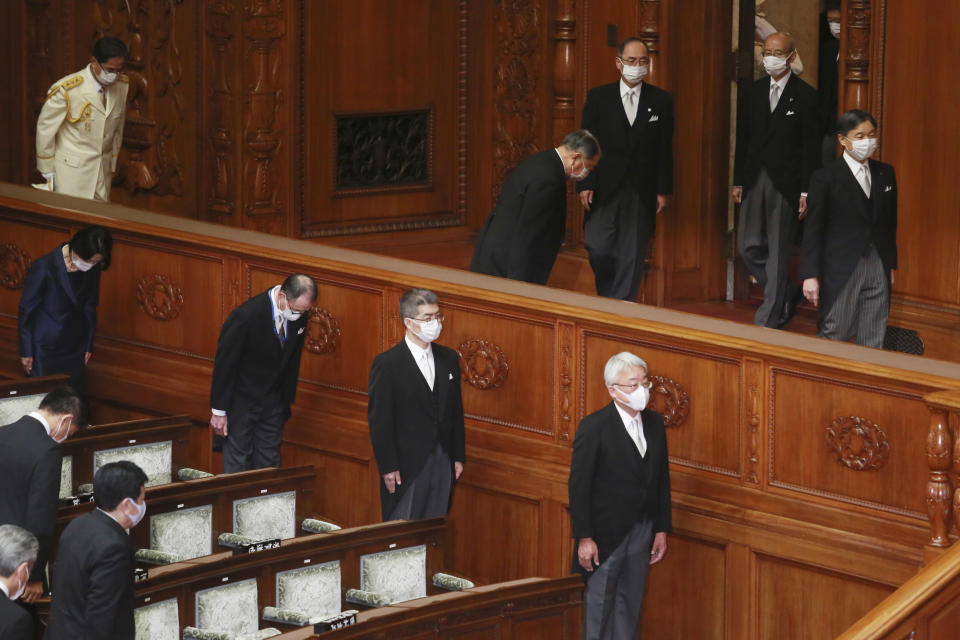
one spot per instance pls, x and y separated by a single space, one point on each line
794 297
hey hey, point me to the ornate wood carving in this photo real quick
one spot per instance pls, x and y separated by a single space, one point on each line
516 84
159 296
856 93
859 444
323 336
753 371
939 461
676 401
484 364
14 263
383 150
264 24
564 81
649 21
150 160
565 333
221 30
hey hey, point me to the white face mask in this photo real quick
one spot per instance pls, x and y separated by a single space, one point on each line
429 330
577 177
20 589
835 29
289 314
634 74
107 77
862 149
82 264
637 399
774 65
141 511
61 430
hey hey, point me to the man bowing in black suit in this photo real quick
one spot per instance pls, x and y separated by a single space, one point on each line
619 500
18 551
93 576
523 234
415 414
633 120
30 457
778 147
255 373
850 243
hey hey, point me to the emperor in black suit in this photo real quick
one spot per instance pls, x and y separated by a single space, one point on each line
57 316
416 427
633 120
523 234
30 457
619 500
255 373
850 240
777 152
93 578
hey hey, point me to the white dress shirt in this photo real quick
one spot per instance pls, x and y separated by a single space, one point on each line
39 416
860 170
634 427
630 104
424 359
6 594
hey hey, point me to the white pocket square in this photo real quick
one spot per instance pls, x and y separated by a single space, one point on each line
653 118
451 376
889 187
790 113
301 330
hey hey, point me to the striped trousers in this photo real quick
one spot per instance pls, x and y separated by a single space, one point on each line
860 311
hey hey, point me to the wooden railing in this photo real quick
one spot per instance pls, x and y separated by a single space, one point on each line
798 465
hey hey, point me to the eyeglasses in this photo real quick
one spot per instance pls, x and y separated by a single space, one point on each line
431 316
630 388
632 62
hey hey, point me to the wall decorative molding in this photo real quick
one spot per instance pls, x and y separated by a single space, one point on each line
159 296
676 400
857 60
858 443
565 337
485 366
383 152
14 263
323 335
221 29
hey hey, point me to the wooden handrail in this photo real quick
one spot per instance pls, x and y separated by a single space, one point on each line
907 601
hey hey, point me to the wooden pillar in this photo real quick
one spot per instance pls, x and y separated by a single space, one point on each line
653 288
856 61
939 460
564 115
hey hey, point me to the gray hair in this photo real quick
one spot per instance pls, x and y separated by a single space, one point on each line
791 44
17 545
582 141
619 362
411 300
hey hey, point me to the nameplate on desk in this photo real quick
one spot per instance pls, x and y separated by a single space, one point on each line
339 621
77 499
253 547
139 575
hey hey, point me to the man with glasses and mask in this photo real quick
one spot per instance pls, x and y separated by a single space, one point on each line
850 242
633 120
80 128
93 581
415 414
30 457
619 500
18 552
778 148
255 373
522 236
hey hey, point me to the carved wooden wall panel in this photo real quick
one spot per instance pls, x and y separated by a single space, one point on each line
713 386
31 240
801 460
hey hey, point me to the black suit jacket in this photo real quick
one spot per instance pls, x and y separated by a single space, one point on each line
828 82
611 486
640 156
523 234
29 493
92 582
841 222
250 359
786 142
406 422
54 321
15 622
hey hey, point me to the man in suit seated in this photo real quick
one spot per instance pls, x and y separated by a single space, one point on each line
778 148
415 414
522 236
18 552
93 580
633 120
30 457
850 242
619 500
256 370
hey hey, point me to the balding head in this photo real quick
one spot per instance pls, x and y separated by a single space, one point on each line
779 44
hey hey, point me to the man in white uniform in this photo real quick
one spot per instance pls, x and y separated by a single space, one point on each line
80 128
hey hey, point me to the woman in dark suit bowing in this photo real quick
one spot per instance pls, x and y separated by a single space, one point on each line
57 318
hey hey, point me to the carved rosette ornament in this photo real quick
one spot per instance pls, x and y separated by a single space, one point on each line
858 443
676 401
159 296
484 364
323 336
14 263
